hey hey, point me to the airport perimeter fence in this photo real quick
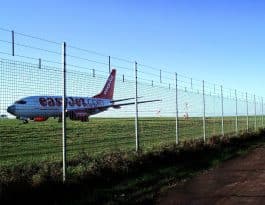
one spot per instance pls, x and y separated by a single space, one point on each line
188 108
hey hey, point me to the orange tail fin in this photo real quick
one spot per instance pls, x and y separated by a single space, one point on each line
108 90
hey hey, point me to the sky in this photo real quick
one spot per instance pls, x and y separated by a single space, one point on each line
219 41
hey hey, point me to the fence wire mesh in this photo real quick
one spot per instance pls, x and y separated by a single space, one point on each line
20 142
32 66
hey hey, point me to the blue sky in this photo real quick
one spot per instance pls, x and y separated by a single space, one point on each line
222 42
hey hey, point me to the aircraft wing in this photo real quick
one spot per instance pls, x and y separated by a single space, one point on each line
132 103
116 106
119 100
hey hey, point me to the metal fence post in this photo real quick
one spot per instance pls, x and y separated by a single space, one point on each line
204 124
109 64
64 105
13 43
262 122
39 63
136 111
247 109
255 112
222 102
177 112
236 113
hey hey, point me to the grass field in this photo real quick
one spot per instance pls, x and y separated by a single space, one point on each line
37 142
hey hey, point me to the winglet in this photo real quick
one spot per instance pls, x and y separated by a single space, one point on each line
108 90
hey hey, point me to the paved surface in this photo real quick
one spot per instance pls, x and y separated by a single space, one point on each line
237 181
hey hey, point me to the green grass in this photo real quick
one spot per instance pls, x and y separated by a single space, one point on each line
120 177
37 142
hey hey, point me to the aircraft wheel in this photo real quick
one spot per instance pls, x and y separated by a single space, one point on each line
84 119
25 121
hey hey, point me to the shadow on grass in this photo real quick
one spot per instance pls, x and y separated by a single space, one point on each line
120 177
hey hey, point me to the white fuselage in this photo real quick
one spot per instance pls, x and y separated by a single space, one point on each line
51 106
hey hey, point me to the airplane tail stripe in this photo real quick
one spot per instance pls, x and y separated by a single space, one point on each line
108 90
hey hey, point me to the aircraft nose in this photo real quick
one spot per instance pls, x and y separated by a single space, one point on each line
11 109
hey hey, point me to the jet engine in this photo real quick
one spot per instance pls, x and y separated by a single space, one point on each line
40 119
78 115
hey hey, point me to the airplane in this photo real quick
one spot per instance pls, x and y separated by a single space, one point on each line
40 108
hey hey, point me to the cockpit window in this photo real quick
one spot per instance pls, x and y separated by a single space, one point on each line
21 102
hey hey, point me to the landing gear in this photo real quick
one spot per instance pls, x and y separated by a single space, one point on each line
84 119
25 121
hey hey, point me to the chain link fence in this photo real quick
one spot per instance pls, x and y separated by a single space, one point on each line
187 108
